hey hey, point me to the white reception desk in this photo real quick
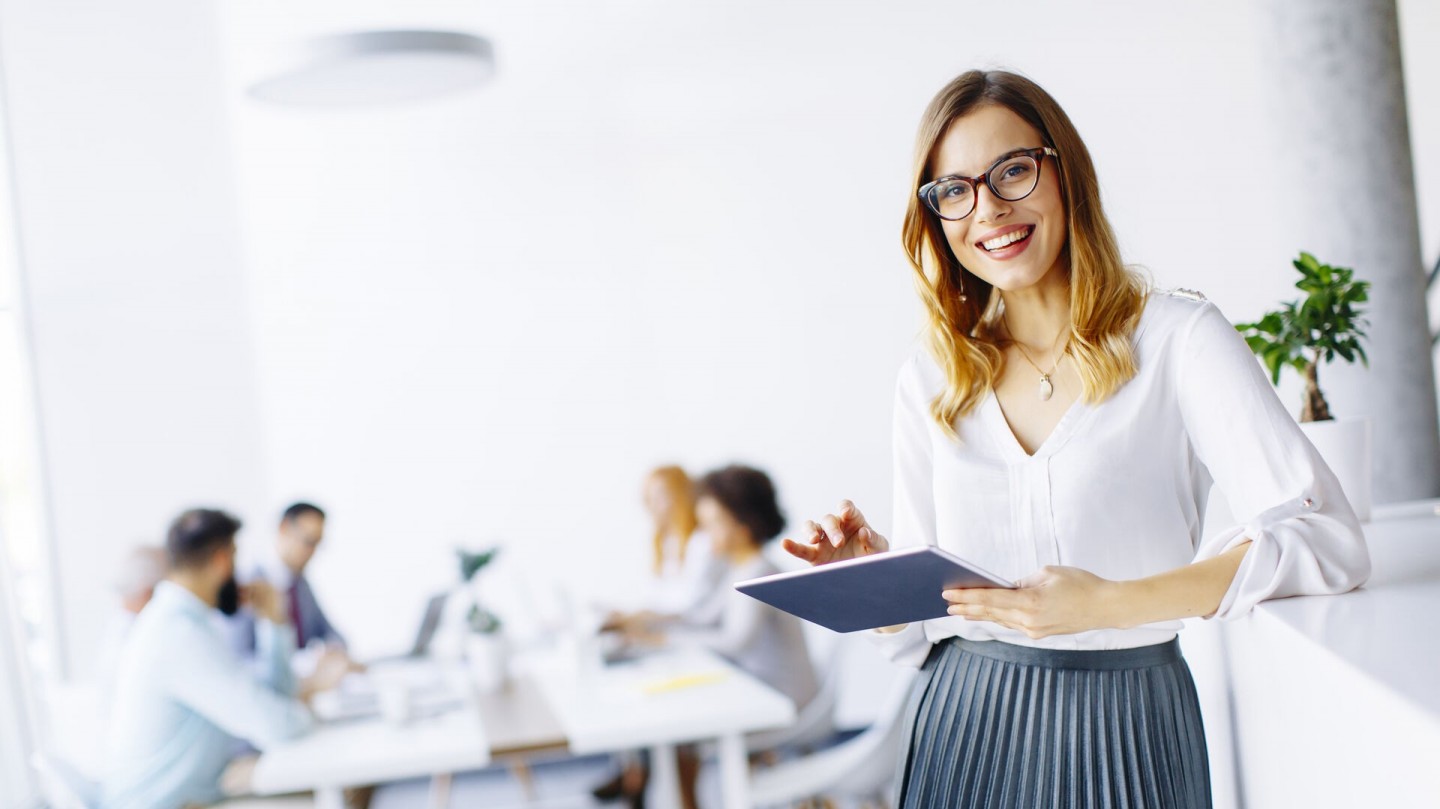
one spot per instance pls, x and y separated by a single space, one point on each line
1335 701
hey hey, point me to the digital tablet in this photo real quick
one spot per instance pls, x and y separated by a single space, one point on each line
883 589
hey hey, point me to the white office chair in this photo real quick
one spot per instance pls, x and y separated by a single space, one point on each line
862 767
816 721
68 761
61 785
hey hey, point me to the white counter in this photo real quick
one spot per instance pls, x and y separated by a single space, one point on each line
1335 700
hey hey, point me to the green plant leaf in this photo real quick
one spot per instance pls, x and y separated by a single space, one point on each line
471 563
1324 323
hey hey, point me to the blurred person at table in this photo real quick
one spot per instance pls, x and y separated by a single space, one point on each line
141 569
684 573
738 509
181 698
301 530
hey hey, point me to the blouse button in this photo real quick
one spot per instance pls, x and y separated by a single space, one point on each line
1308 503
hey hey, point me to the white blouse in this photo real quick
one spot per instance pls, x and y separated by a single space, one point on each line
1120 487
682 585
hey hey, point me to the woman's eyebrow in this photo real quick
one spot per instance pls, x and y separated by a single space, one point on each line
997 159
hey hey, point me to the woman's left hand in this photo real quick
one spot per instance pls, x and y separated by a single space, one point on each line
1054 601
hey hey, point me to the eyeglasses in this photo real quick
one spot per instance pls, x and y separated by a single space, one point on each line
1011 178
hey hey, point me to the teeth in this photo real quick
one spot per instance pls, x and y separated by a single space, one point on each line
1006 240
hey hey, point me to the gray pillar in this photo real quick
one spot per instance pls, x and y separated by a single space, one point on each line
1338 93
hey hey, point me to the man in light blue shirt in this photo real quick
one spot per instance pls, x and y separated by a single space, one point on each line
181 697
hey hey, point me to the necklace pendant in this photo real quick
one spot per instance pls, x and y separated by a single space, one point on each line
1046 388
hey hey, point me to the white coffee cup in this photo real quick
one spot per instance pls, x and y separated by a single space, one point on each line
396 705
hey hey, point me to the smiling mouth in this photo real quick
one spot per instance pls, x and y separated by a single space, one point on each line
1005 240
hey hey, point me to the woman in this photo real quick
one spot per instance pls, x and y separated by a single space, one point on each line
683 574
737 508
683 571
1064 431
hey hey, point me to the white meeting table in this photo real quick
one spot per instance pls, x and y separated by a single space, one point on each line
662 700
659 701
336 755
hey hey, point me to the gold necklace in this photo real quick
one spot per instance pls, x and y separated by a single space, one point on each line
1047 388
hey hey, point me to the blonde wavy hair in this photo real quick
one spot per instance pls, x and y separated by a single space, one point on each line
1106 297
682 512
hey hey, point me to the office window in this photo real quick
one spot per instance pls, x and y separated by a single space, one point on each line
28 636
24 535
17 784
22 523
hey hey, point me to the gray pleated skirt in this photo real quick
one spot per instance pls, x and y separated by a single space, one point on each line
998 725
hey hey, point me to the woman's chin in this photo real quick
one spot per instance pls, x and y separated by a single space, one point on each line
1014 280
1014 277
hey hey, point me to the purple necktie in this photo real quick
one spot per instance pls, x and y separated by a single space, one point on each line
295 615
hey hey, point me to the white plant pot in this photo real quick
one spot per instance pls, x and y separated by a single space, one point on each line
1345 446
487 656
449 641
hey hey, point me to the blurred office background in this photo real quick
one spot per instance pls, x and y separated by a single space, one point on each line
660 232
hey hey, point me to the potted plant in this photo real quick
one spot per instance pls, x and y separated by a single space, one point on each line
1307 333
485 648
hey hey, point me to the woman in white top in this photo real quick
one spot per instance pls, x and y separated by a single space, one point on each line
684 574
1064 430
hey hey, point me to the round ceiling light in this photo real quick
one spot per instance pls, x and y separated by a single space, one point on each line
369 68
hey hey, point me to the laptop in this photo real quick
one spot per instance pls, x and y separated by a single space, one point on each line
358 698
434 610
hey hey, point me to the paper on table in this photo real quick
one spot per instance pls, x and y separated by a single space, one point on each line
681 682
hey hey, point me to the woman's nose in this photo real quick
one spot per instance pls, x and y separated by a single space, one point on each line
989 207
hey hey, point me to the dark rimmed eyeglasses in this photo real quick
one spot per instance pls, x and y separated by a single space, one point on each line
1010 178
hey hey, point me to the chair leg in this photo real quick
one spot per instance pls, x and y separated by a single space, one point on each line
440 791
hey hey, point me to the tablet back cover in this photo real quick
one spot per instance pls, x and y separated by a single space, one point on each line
885 589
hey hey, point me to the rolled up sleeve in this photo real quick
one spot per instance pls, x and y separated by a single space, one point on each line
1306 539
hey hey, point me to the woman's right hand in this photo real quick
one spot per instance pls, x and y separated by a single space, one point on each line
836 537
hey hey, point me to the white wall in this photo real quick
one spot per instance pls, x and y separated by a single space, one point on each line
444 356
130 244
481 319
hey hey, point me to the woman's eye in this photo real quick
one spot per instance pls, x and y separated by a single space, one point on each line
1014 170
956 190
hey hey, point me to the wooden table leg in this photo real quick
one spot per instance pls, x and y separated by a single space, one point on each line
734 772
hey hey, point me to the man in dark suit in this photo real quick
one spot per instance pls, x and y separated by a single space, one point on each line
302 529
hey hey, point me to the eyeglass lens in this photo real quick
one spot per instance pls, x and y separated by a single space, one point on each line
1011 180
